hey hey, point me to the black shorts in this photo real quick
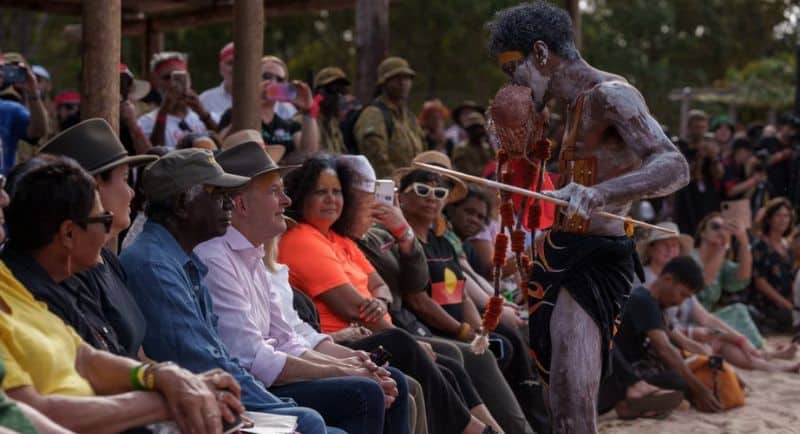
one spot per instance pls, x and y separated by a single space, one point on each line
597 271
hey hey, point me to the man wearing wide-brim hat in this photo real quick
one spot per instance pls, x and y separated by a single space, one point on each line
387 132
330 84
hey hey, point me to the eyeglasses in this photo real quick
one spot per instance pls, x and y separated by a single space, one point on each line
106 218
270 76
425 190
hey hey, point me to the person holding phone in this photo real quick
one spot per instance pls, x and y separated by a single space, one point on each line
180 112
299 138
19 121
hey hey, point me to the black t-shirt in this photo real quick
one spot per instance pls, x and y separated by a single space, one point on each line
447 279
277 132
76 305
640 315
778 174
108 280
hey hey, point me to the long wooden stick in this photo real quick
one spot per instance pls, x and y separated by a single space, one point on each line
525 192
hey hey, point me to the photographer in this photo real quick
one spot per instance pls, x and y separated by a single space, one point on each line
745 174
181 112
781 154
26 121
131 90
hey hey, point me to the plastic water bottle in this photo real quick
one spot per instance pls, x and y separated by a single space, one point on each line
283 92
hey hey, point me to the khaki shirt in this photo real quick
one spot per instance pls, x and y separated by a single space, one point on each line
472 159
330 135
388 153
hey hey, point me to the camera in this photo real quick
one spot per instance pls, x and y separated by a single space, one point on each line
13 73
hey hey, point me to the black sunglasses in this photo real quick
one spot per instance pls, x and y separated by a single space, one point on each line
270 76
106 218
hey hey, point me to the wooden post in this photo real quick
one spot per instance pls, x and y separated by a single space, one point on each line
372 44
573 7
248 38
102 33
153 43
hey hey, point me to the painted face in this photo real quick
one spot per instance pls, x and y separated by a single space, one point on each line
116 196
528 75
323 206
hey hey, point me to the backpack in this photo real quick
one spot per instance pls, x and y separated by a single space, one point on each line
348 125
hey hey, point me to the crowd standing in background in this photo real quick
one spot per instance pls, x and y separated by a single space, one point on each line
260 271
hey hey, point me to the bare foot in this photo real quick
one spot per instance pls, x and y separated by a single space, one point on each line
640 389
784 352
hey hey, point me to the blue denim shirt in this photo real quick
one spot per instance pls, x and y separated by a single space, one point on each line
181 324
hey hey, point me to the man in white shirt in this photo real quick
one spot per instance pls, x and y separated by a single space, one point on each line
181 112
354 394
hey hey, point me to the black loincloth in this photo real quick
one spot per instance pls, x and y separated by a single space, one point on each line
597 271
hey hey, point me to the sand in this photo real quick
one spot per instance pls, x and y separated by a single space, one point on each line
772 405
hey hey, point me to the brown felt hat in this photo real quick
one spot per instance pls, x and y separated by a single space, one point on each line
249 160
276 152
329 75
182 169
93 144
393 66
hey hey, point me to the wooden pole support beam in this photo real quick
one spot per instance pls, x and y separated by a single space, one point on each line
102 24
248 38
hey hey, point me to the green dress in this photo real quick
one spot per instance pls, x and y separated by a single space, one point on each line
11 416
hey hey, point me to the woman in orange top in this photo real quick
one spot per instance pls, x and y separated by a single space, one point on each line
328 267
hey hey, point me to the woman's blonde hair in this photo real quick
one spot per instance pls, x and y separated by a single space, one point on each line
276 59
271 255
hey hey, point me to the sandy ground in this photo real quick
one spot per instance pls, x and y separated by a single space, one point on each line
772 406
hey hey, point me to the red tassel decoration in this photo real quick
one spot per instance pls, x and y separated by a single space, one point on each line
518 241
492 314
500 248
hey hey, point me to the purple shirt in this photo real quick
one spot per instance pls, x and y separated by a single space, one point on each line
250 321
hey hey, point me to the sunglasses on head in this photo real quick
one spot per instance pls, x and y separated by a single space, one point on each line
106 218
270 76
425 190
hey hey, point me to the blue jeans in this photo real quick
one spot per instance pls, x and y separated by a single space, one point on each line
308 420
354 404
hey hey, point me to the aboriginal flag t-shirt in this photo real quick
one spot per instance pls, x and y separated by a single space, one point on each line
447 279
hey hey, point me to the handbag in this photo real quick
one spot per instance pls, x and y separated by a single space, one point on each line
718 376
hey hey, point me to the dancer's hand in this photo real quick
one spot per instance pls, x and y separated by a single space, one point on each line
582 200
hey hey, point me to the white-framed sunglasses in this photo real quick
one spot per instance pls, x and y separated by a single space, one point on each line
425 190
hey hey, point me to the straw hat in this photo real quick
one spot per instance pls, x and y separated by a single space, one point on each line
435 158
652 236
276 152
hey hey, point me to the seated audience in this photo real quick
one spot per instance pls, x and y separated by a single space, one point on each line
643 339
253 329
422 196
220 98
399 259
300 139
47 364
468 217
180 111
347 289
721 274
773 268
189 202
95 302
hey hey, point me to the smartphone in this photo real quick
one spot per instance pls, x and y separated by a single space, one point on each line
13 73
232 427
180 79
496 347
384 191
281 92
738 211
380 356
